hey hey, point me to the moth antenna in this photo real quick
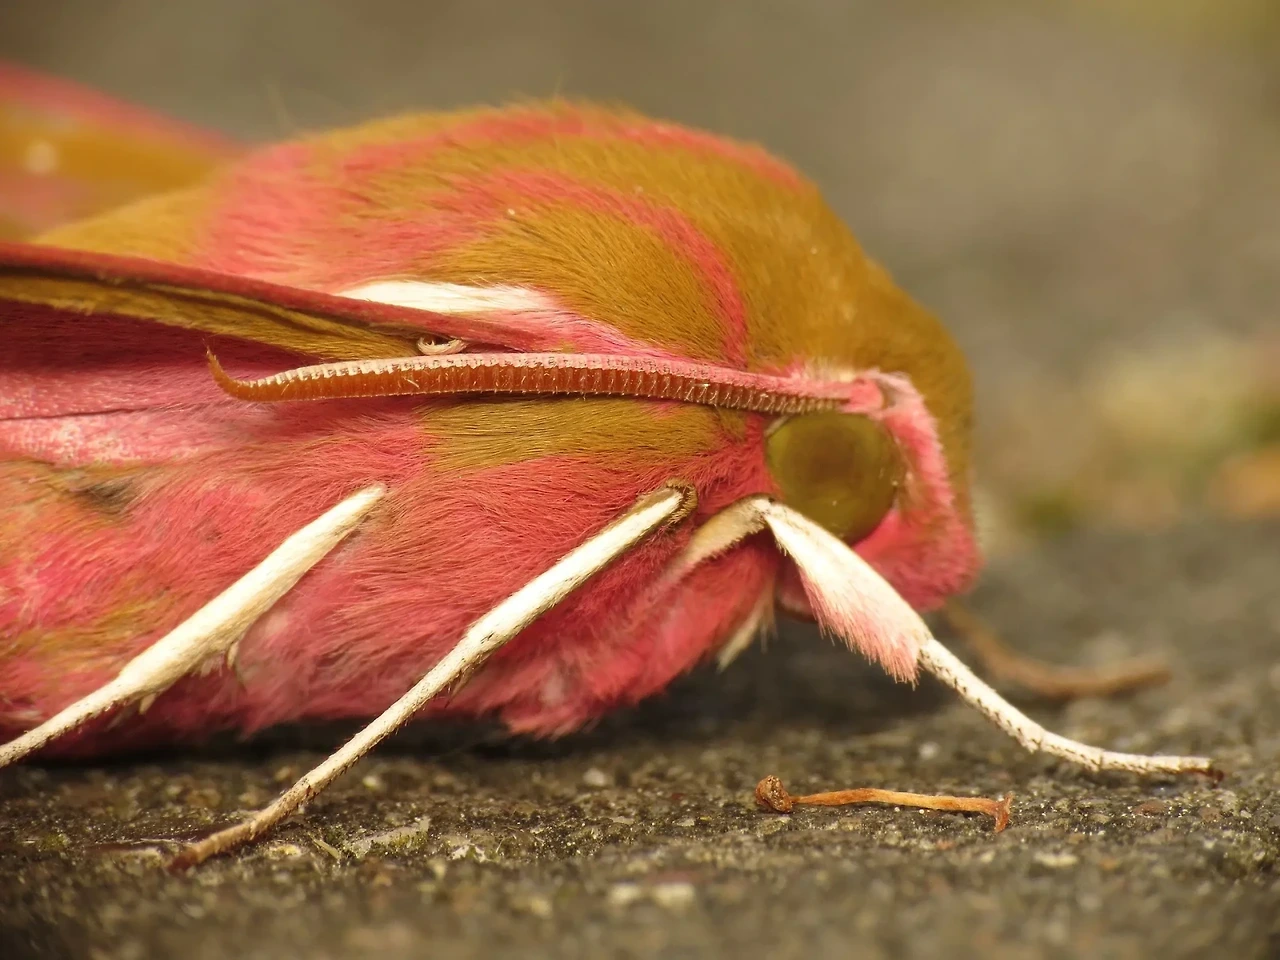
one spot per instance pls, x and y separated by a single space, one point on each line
211 631
481 640
542 374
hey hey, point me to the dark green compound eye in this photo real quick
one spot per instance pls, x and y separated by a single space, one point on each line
839 469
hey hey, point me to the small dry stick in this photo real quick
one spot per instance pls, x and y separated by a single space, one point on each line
1049 680
772 795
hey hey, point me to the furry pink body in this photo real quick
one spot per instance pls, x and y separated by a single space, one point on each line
184 490
361 628
365 625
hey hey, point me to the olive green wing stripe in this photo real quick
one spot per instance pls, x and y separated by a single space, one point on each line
315 324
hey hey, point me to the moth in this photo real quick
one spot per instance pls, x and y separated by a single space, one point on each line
514 412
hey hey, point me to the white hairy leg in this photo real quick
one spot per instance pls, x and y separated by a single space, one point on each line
482 639
212 631
757 622
948 668
855 602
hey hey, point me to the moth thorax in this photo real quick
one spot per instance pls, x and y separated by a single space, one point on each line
840 470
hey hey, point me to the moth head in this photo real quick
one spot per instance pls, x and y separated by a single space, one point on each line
879 481
888 472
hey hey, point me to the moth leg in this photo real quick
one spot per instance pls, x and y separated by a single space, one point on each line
212 631
830 568
1048 680
948 668
667 505
718 533
857 604
758 621
834 574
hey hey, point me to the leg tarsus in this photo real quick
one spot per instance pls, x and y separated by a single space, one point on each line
948 668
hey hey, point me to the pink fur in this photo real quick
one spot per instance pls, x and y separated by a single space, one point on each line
923 547
136 491
362 627
382 608
516 126
554 328
280 229
47 373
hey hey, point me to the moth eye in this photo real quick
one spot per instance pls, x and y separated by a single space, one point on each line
839 469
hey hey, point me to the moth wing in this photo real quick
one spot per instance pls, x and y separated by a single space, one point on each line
67 152
85 332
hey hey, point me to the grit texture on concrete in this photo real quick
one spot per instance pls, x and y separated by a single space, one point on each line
1057 190
641 838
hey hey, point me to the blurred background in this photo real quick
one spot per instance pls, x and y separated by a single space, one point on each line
1088 192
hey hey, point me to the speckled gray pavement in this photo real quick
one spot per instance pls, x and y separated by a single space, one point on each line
641 838
1055 190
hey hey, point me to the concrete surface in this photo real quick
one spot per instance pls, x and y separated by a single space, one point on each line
1057 188
641 838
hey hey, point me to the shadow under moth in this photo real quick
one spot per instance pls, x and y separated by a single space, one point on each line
512 412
